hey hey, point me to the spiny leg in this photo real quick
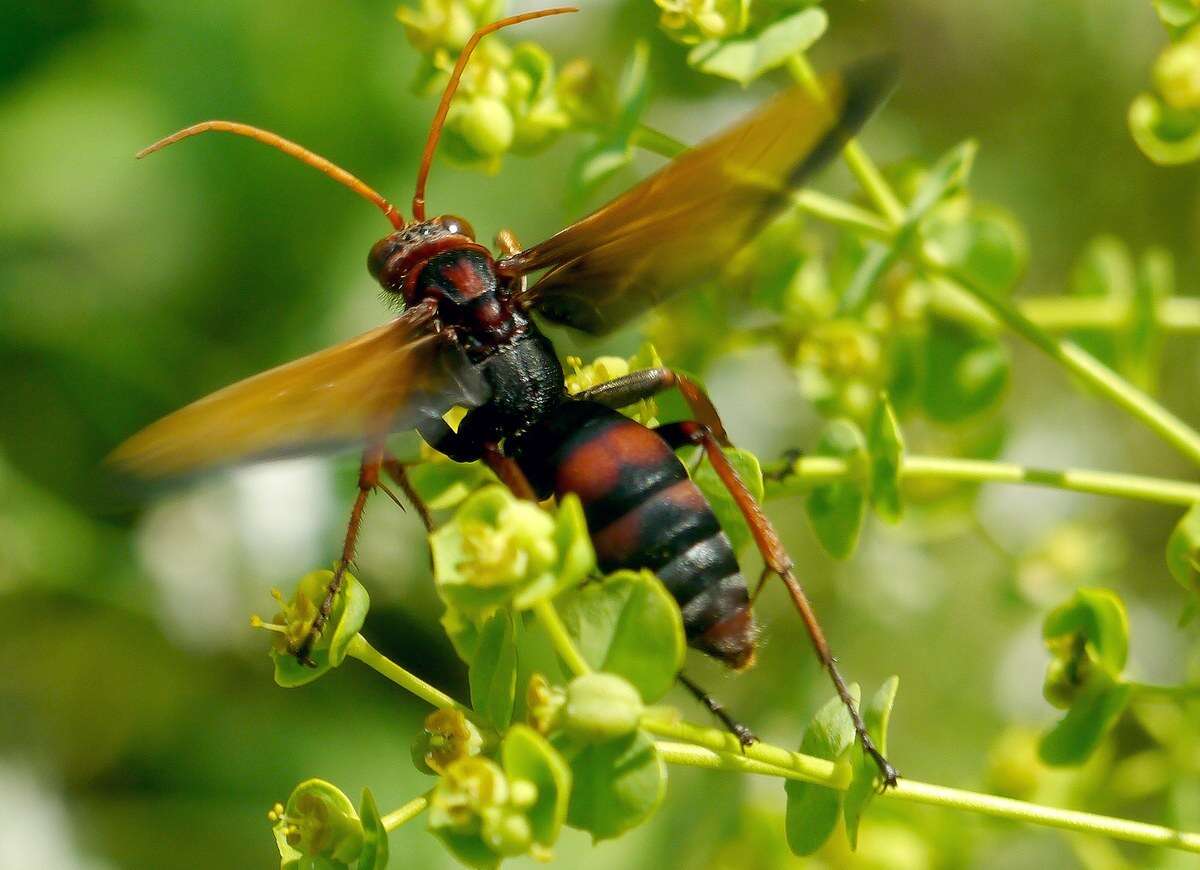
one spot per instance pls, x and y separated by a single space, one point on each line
779 563
398 471
744 735
368 479
635 386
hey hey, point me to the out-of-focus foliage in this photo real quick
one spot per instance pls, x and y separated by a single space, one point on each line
140 724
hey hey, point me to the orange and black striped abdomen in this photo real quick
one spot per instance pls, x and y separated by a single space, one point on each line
643 511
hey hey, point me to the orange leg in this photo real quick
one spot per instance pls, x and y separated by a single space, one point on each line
368 479
779 563
509 472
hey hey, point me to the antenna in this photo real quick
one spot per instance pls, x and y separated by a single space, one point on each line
316 161
439 118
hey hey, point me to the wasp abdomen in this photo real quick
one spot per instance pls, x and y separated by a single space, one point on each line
643 511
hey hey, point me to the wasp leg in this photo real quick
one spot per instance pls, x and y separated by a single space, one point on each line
473 441
780 564
368 480
398 471
507 242
636 386
744 735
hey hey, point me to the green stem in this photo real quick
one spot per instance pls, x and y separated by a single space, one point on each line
806 472
869 177
798 766
1077 361
406 813
367 654
1175 693
1176 314
920 792
657 142
548 616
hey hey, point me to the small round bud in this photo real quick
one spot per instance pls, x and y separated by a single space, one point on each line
601 707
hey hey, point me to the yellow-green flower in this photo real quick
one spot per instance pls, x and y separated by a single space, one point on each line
319 822
693 21
603 369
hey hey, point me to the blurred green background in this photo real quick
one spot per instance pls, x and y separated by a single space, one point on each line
139 726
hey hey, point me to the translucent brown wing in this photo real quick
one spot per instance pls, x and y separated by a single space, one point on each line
679 226
382 381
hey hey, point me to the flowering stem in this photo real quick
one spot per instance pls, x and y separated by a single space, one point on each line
925 793
1069 355
367 654
406 813
1175 693
548 616
802 474
798 766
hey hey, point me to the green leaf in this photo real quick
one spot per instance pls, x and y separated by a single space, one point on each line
446 484
747 466
965 372
1099 615
617 784
374 854
470 849
1183 550
743 59
527 755
349 611
1093 713
812 810
885 443
628 625
1155 283
493 673
946 177
615 150
836 510
987 244
1103 270
876 716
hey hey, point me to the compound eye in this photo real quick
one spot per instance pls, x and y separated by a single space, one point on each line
456 225
381 252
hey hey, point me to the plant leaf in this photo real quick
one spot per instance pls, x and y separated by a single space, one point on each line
617 784
628 625
965 371
1099 615
1077 734
1183 550
876 716
493 672
743 59
836 510
812 810
374 854
885 443
528 755
747 466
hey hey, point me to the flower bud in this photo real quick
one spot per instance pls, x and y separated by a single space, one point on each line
1177 72
601 707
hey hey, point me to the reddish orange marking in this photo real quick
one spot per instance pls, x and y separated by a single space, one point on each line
618 541
593 468
731 640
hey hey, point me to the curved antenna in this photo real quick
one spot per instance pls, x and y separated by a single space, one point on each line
439 118
316 161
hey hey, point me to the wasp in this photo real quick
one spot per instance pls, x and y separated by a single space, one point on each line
467 337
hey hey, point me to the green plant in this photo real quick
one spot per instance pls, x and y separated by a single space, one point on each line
897 317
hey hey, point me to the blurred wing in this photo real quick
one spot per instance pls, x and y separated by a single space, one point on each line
382 381
680 225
